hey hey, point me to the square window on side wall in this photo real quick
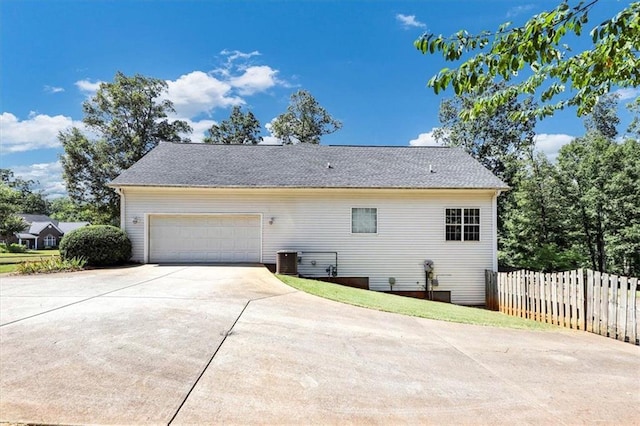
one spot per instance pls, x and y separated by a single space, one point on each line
364 220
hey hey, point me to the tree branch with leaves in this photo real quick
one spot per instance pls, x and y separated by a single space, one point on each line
538 47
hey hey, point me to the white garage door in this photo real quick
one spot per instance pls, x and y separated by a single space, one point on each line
182 238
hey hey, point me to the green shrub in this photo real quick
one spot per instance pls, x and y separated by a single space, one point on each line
50 264
12 248
100 245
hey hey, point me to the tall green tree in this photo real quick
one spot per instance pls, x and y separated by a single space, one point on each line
623 239
125 119
586 165
495 140
305 121
582 210
539 51
10 223
240 128
634 127
600 179
534 234
65 210
28 199
604 117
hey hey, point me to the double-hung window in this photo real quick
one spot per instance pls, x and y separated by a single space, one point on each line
462 225
364 220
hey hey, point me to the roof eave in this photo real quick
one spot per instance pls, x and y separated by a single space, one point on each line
138 185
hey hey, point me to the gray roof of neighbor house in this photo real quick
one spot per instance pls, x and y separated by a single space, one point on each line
37 227
307 166
30 218
36 223
70 226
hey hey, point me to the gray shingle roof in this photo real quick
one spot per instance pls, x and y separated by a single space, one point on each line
307 166
36 228
29 218
67 227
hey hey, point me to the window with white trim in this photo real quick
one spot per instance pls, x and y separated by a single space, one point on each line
364 220
49 241
462 225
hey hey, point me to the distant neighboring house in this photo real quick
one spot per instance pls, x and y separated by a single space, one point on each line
351 211
43 232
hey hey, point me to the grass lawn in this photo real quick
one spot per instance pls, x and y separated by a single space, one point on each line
409 306
8 267
13 258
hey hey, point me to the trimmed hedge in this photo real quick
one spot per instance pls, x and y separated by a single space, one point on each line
100 245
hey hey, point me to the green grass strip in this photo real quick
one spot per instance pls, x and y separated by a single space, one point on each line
410 306
9 267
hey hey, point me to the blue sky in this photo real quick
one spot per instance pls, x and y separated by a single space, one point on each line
355 57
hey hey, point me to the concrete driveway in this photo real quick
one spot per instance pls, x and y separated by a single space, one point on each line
221 344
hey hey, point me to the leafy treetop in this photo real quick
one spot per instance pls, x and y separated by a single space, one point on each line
305 120
126 119
538 45
240 128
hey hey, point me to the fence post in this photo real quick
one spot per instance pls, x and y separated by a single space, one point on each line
583 301
612 328
597 298
621 317
604 327
538 297
631 313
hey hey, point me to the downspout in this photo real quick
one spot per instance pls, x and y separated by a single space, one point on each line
123 206
494 208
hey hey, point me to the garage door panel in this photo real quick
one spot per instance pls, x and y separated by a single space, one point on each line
224 238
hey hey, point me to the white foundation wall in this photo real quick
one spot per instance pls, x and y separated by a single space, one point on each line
411 228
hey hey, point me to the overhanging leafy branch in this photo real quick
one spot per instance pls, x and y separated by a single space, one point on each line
612 61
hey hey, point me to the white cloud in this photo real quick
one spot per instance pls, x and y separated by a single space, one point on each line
627 93
199 92
233 55
409 21
53 89
270 139
518 10
550 144
254 80
49 176
37 132
199 128
88 87
425 139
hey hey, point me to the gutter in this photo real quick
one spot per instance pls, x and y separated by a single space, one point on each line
439 188
494 214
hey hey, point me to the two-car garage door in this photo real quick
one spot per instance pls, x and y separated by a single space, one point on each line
198 238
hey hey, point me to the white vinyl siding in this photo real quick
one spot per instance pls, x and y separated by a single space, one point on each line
409 230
